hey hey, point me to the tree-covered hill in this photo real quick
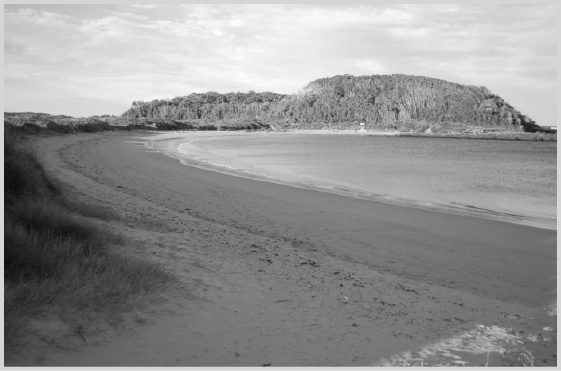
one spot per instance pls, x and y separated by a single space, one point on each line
380 101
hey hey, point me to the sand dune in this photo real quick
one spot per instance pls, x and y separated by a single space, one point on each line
288 276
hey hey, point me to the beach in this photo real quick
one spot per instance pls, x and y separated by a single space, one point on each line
508 181
283 273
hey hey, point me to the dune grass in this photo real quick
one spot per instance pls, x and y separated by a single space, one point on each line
23 174
89 210
58 262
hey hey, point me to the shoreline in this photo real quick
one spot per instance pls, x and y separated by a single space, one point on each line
497 135
191 155
502 136
294 277
55 125
342 132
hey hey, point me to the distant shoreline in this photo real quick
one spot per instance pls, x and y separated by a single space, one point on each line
508 135
342 131
501 135
69 125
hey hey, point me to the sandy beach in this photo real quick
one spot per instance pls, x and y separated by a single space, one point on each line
290 276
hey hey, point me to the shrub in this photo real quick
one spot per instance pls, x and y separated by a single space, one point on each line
23 174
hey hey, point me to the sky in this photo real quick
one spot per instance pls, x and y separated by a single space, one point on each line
84 60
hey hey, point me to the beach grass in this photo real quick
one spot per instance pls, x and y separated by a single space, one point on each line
89 210
58 260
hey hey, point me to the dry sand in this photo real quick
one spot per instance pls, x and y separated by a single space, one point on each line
294 277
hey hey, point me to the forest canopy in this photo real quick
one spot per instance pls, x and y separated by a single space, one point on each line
344 101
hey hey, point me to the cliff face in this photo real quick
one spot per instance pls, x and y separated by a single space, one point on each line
380 101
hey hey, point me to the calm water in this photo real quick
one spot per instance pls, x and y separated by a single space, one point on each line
507 177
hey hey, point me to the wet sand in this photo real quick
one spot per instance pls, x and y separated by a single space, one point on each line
293 276
434 178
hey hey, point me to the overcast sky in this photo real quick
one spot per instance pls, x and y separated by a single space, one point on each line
83 60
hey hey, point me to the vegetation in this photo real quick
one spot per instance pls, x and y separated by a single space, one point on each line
382 102
408 104
57 261
498 135
43 123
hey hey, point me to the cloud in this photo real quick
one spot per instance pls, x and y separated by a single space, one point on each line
145 6
129 15
356 16
368 66
151 51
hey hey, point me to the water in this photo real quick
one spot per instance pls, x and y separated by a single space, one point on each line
497 178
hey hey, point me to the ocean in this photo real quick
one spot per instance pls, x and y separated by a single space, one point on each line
509 180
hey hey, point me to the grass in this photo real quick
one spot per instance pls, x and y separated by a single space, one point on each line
89 210
58 262
23 174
